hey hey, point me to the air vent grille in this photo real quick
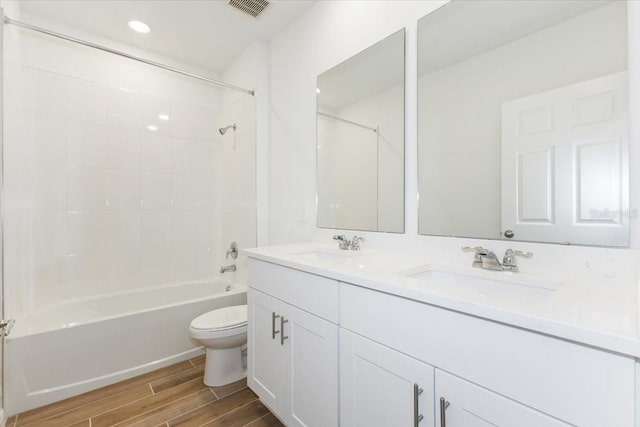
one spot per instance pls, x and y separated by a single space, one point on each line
250 7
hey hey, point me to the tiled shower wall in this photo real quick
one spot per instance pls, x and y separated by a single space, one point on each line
113 178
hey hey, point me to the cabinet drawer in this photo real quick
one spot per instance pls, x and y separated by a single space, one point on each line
315 294
574 383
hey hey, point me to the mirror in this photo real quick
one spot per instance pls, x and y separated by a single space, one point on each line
523 121
360 140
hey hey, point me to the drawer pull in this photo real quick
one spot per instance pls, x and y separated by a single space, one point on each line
417 417
443 409
282 335
274 316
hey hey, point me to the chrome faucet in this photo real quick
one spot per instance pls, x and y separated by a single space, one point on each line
509 260
233 252
355 243
343 242
230 268
346 244
484 258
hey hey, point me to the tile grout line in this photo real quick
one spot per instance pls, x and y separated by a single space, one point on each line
194 409
151 388
123 422
214 393
34 423
229 412
92 402
257 419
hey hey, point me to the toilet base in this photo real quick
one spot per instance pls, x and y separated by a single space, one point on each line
223 366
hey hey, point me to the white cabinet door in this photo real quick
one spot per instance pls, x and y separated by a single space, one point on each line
468 405
565 164
382 387
313 346
267 356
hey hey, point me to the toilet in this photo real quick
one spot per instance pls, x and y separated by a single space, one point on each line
223 333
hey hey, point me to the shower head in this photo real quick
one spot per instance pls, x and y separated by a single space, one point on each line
225 129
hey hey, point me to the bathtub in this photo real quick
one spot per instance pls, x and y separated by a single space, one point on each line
85 344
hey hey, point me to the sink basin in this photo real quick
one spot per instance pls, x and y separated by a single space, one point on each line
484 285
327 255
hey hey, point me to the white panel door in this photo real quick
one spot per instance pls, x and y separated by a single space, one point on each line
565 162
313 346
378 386
267 356
468 405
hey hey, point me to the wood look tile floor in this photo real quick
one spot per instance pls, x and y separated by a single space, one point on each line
172 396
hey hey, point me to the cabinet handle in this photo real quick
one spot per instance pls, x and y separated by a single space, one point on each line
282 335
417 417
443 408
274 316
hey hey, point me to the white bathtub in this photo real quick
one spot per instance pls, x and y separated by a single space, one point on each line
86 344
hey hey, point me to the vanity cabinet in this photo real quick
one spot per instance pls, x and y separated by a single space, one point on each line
401 359
464 404
382 387
293 354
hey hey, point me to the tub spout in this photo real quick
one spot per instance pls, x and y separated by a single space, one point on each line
231 268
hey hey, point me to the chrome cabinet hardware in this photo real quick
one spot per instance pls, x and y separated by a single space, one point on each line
282 335
417 417
443 410
509 260
6 326
509 234
274 316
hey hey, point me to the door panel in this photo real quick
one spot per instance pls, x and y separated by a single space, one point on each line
266 372
313 344
565 168
377 385
473 406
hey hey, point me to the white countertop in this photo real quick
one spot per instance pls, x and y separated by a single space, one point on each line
602 316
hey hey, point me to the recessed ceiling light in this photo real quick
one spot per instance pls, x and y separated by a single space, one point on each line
164 117
152 128
139 27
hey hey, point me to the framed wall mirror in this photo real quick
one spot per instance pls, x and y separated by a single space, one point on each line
523 121
360 140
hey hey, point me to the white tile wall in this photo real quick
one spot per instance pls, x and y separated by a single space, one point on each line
115 175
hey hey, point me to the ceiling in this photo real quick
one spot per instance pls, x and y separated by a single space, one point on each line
205 33
462 29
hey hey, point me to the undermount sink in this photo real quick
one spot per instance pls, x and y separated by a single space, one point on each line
483 284
327 255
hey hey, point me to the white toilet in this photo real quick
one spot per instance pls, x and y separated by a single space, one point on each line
223 333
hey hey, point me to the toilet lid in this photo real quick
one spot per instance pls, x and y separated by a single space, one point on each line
223 318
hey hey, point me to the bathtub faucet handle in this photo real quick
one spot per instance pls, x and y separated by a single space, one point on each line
233 251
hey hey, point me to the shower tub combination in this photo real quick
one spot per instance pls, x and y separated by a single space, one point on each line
85 344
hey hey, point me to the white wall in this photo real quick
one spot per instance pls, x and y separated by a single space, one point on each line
323 36
306 48
95 202
460 165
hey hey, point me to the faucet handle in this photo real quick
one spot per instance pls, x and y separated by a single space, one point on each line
509 260
355 243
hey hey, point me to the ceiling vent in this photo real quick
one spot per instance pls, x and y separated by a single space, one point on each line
250 7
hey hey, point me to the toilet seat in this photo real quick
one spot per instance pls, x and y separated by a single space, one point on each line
220 323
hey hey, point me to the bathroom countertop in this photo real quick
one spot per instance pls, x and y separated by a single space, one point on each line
591 314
